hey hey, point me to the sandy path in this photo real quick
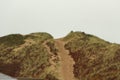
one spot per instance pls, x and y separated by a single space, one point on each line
67 62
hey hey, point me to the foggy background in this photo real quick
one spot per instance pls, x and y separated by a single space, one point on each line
59 17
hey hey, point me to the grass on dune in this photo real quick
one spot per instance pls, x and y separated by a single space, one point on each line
95 59
19 58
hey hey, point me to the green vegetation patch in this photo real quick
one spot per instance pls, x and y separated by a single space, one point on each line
40 36
12 40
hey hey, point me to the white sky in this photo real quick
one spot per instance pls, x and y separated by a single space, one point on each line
59 17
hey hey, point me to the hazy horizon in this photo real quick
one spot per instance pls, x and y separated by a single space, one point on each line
58 17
